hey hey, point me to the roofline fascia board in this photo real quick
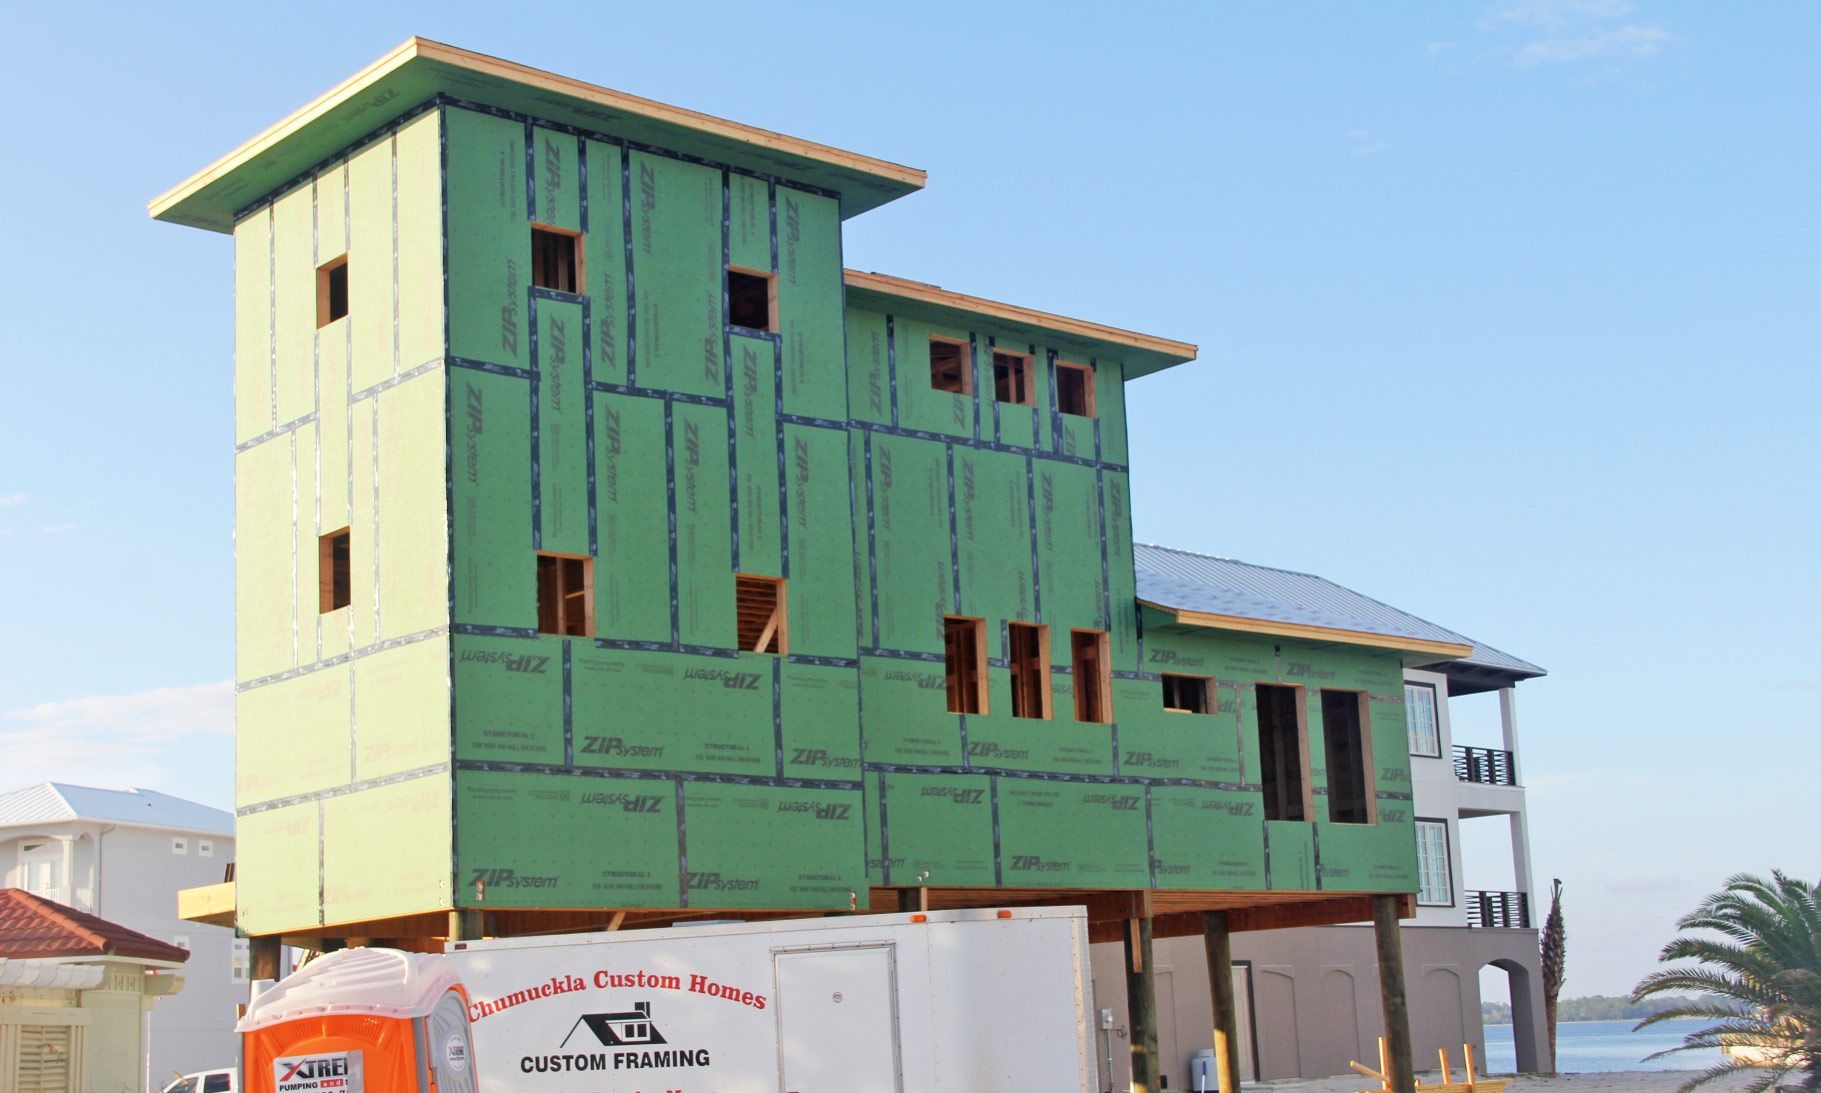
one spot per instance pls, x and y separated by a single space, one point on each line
285 127
934 295
651 110
1311 633
6 827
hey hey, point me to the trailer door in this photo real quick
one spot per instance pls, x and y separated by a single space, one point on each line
838 1020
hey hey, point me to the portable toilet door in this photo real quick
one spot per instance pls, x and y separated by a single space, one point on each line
361 1020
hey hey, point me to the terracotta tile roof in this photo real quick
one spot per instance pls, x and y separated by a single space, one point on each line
32 926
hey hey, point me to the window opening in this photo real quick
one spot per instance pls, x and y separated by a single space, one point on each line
555 261
1433 887
1349 751
1075 389
1280 752
951 366
761 613
1420 720
752 299
1093 676
565 594
331 291
334 571
1186 694
964 646
1029 649
1012 378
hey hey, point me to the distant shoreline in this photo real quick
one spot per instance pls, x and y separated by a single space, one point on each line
1588 1021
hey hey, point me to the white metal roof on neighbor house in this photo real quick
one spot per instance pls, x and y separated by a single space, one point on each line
1188 581
55 802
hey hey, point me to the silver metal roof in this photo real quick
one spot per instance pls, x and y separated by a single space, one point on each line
1187 581
59 802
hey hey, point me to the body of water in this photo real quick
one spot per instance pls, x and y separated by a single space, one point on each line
1586 1046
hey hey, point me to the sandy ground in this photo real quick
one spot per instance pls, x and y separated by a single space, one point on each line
1622 1081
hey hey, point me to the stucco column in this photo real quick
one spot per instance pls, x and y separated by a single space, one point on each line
1508 729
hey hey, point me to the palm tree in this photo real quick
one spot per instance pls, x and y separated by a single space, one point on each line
1759 983
1555 963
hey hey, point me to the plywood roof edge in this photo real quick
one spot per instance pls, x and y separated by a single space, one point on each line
659 111
407 50
416 47
1306 631
924 292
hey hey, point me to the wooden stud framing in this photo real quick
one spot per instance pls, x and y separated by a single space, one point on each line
771 297
560 582
964 649
1019 386
951 365
1306 785
1068 372
331 290
1031 692
1092 659
762 613
334 571
578 281
1209 701
1368 781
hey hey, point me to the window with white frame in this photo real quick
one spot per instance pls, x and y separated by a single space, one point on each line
1419 718
242 960
1434 888
180 845
205 848
182 941
42 864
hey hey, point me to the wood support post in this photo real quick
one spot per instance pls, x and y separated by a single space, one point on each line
263 957
467 925
1141 1004
1218 939
1400 1070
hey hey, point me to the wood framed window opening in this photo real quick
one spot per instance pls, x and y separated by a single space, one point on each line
951 365
1093 675
1028 656
752 298
1012 378
331 291
761 612
1187 694
334 571
565 594
1347 740
964 650
1283 752
1075 389
556 258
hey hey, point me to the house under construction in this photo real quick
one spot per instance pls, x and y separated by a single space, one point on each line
608 555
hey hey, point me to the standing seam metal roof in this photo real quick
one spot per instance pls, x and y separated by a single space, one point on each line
1188 581
59 802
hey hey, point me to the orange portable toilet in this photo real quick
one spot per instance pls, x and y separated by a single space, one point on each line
360 1021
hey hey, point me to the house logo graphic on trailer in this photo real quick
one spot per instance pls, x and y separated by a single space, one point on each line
631 1031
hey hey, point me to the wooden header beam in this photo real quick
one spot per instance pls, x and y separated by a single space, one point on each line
1442 649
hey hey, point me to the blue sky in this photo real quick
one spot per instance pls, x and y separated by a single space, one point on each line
1507 315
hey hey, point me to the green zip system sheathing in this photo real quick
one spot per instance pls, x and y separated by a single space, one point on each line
342 715
426 748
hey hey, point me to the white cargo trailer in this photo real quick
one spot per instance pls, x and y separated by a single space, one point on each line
974 1001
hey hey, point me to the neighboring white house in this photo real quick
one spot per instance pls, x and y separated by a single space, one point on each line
123 855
